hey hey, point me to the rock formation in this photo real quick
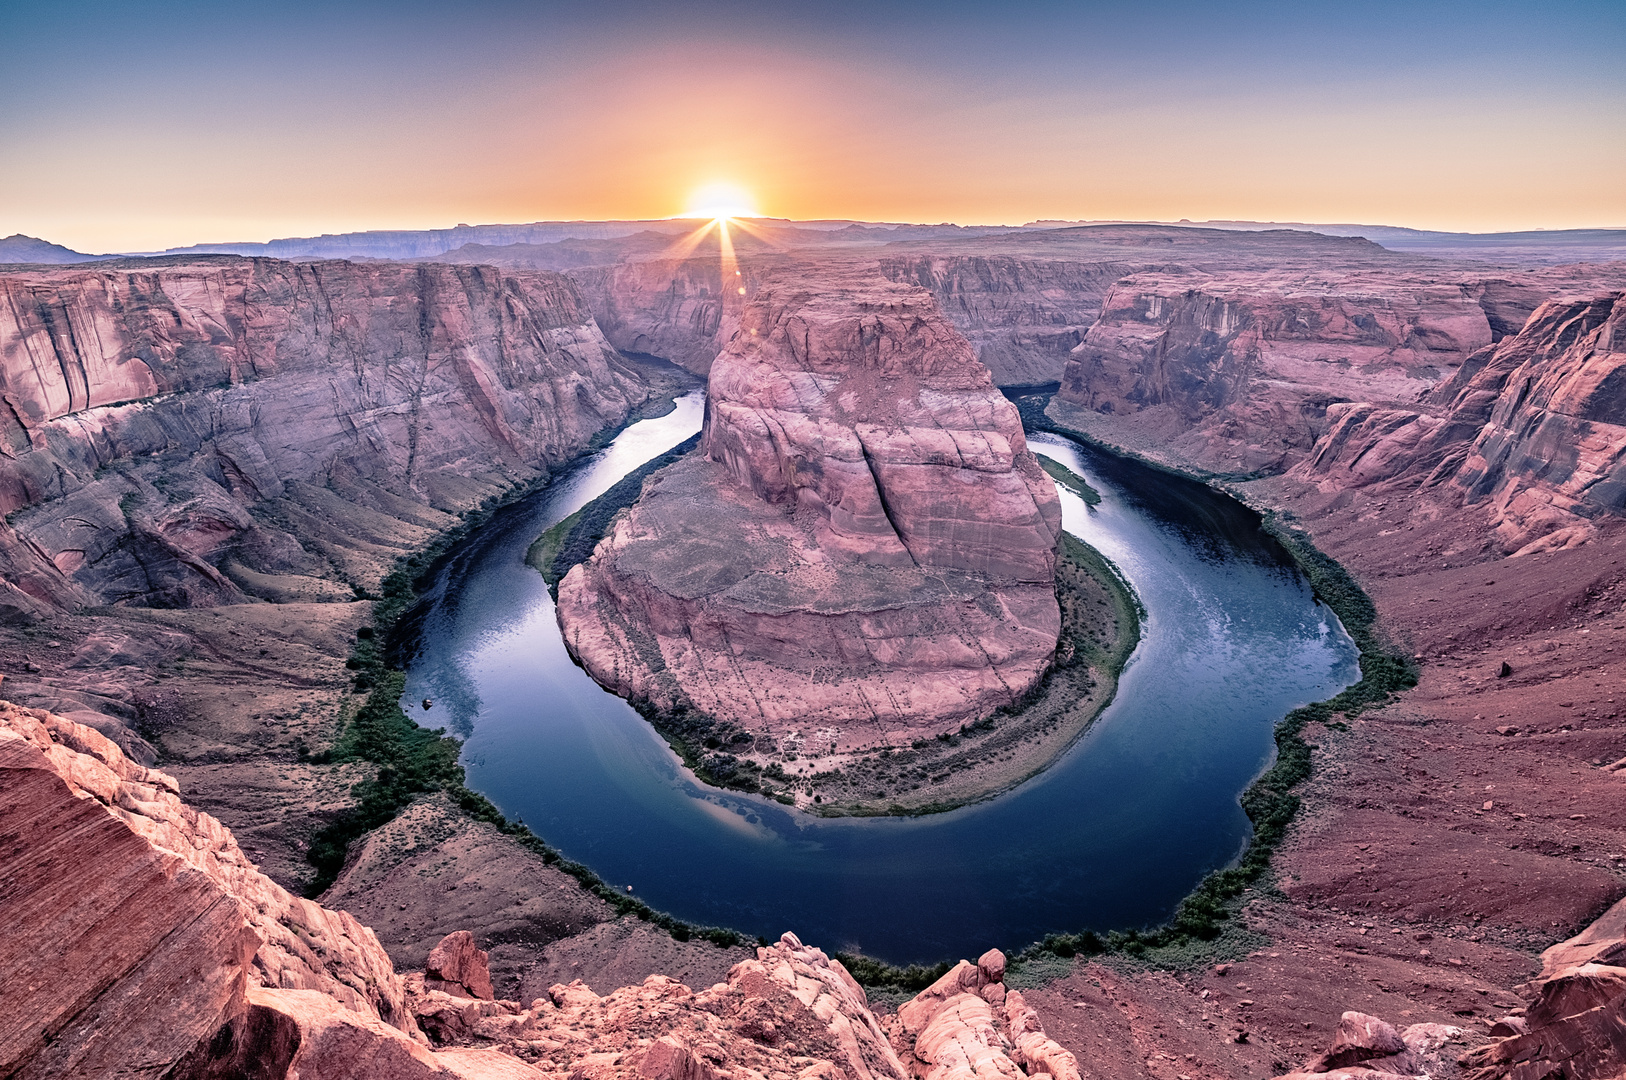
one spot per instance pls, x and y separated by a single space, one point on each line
158 411
866 548
135 924
1366 1048
674 308
141 942
1024 316
1533 429
1575 1023
1244 364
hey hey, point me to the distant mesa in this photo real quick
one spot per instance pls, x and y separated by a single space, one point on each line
18 248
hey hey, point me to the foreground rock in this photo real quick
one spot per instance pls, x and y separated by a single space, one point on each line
1575 1024
120 897
968 1025
141 942
864 554
1366 1048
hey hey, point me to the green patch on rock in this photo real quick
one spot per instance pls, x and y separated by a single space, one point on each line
572 540
1069 479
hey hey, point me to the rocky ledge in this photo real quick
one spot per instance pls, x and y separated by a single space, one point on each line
863 553
118 896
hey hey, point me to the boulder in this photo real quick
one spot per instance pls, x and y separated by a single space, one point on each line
457 966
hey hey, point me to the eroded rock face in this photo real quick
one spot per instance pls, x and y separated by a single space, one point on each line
119 895
1532 430
865 551
790 1011
152 408
1575 1025
968 1026
1024 316
1246 363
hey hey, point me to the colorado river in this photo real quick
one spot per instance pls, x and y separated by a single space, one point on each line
1110 837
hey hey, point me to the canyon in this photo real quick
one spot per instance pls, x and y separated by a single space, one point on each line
212 463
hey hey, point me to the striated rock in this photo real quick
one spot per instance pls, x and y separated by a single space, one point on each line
117 894
1023 315
866 549
1533 430
674 308
458 966
1575 1025
1367 1048
1245 363
158 407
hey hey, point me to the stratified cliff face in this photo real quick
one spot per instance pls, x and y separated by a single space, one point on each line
1242 366
677 309
155 411
866 548
1534 430
135 926
1024 316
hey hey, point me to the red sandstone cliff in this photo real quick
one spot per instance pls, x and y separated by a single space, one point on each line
150 408
866 550
1533 431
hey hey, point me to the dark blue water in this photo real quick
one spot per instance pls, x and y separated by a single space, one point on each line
1111 836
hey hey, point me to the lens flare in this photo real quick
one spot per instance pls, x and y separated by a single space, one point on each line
721 200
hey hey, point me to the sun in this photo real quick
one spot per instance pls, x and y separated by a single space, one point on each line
721 199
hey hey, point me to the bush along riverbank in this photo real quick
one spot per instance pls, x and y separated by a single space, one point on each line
573 539
414 762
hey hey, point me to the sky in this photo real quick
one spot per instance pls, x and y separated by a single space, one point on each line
130 126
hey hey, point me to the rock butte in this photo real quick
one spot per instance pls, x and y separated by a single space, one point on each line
864 553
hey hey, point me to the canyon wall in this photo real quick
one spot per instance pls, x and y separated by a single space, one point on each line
174 430
1532 430
1024 316
865 547
676 309
1238 369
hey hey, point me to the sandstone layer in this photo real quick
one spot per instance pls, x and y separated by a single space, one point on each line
153 408
141 942
864 553
1532 431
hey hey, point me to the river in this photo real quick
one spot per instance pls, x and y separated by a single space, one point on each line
1110 837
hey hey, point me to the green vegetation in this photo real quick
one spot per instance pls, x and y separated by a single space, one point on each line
1069 479
572 540
414 762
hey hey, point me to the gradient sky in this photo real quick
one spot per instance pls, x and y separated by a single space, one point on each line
134 126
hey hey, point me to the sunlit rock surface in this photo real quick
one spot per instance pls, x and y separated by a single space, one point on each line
864 551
